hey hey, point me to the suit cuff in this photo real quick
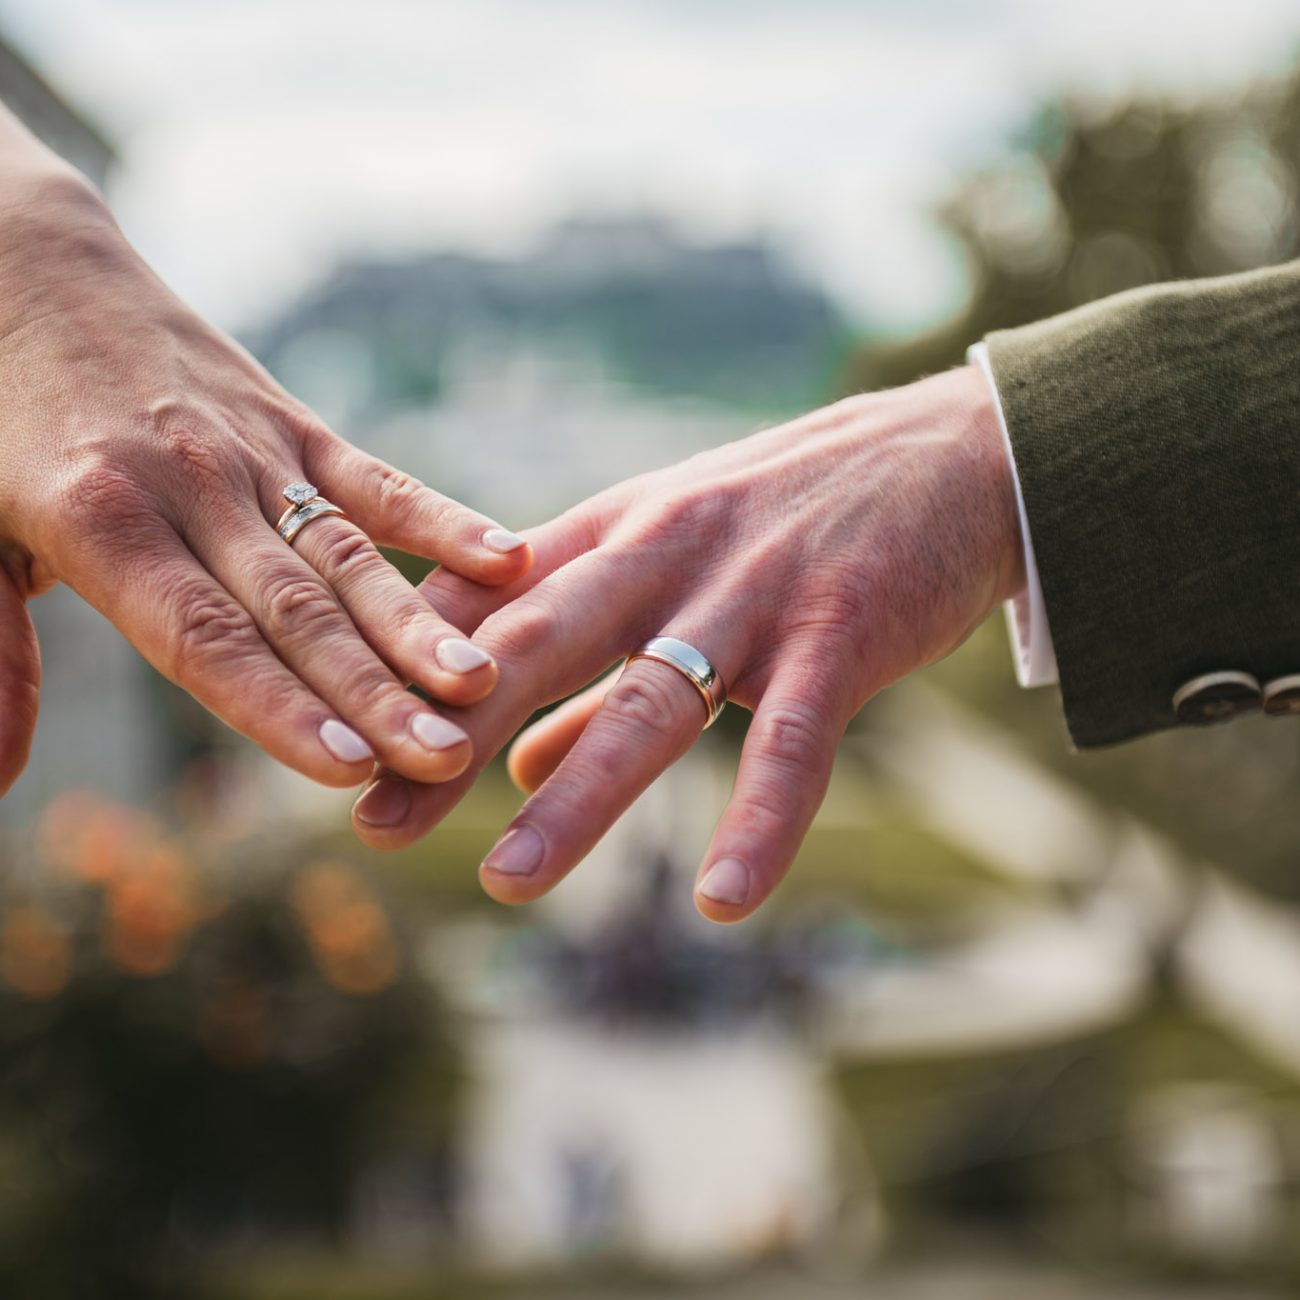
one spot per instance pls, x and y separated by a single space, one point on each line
1031 638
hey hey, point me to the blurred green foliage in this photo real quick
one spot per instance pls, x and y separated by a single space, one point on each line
192 1060
1047 1143
1092 200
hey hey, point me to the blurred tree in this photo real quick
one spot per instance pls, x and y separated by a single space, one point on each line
187 1065
1089 202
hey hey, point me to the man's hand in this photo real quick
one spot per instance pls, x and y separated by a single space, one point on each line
813 564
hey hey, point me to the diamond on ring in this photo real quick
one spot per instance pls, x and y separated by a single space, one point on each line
305 504
299 519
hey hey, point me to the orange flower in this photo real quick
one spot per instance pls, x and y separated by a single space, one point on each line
150 912
85 835
347 930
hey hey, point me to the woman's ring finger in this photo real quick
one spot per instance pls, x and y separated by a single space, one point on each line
305 504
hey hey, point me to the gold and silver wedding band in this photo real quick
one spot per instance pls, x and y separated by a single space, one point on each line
301 518
305 504
694 666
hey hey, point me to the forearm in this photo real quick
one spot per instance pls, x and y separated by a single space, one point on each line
32 176
55 229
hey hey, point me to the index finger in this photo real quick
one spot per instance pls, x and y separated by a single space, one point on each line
394 508
649 718
551 641
465 604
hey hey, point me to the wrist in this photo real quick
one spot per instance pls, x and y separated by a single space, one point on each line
981 429
34 175
55 229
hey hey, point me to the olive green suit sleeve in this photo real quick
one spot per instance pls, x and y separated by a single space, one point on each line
1156 436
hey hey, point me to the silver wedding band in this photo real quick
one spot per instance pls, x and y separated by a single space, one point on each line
692 665
305 504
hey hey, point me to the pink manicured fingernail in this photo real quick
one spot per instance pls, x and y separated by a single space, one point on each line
460 656
343 742
386 803
726 881
503 540
437 733
518 853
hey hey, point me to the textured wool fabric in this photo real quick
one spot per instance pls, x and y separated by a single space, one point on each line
1157 439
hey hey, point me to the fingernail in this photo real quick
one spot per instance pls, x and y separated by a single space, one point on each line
343 742
726 881
518 853
457 655
434 732
502 539
386 803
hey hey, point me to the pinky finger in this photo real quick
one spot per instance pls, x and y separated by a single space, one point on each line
541 748
785 768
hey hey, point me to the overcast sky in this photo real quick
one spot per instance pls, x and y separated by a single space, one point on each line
262 138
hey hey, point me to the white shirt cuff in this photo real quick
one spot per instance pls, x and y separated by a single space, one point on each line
1031 638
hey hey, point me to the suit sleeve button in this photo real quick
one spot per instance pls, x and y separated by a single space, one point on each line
1217 697
1282 696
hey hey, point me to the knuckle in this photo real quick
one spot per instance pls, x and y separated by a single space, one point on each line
210 629
300 607
763 812
346 551
585 524
372 684
411 618
840 605
398 496
644 701
834 626
191 443
278 696
97 483
98 501
793 735
688 516
520 628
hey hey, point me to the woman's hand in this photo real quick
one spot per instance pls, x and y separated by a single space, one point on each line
142 461
813 564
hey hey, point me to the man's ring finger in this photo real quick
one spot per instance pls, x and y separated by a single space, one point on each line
692 665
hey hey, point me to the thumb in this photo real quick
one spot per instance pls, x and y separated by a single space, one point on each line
20 681
539 749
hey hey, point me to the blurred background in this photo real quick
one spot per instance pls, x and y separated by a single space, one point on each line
1019 1020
